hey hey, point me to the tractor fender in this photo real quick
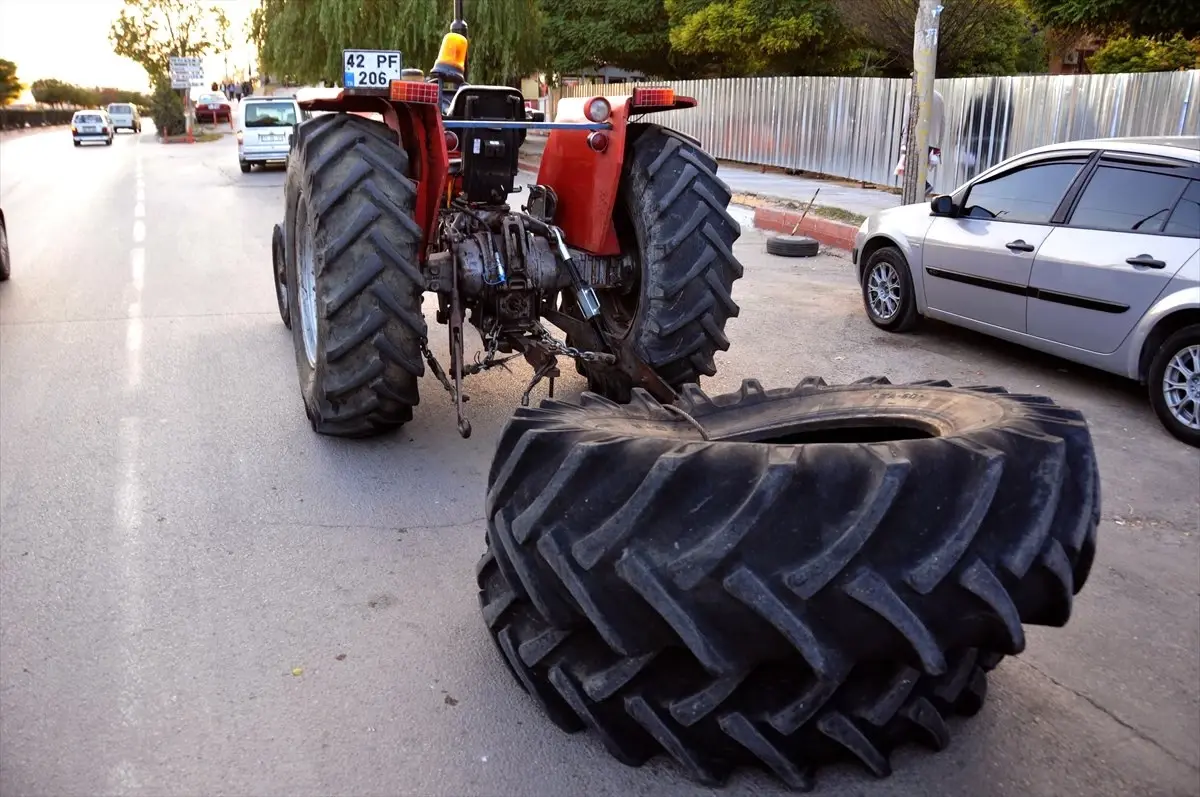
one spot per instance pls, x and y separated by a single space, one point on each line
586 181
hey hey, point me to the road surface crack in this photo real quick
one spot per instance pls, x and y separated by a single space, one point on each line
1138 732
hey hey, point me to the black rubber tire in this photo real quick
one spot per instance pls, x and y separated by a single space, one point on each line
370 325
793 246
673 210
245 166
907 317
777 716
1188 336
623 518
279 271
5 253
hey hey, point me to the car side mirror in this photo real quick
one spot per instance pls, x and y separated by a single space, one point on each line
942 205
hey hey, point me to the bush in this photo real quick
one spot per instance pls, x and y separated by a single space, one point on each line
1144 54
166 109
20 118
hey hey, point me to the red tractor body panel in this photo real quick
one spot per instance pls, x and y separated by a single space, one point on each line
420 128
586 181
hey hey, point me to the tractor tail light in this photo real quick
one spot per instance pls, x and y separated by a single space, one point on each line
660 97
597 110
411 91
451 141
598 140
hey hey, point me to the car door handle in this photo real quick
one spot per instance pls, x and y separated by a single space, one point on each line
1019 246
1146 261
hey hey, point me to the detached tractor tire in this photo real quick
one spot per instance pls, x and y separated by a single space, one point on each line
354 289
867 521
672 215
822 545
778 717
793 246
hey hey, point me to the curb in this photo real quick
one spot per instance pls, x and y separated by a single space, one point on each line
826 231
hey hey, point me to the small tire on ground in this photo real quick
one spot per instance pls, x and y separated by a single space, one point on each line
279 271
842 523
1184 343
349 201
906 317
793 246
777 716
672 215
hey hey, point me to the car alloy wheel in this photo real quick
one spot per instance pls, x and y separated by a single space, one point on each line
1181 386
883 291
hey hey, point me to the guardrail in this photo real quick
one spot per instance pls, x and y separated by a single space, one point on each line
852 127
20 118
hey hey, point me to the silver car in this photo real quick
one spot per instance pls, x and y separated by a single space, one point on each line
1088 250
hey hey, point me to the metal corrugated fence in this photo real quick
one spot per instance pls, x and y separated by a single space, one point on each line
851 127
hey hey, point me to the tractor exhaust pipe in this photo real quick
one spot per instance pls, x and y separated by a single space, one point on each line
459 25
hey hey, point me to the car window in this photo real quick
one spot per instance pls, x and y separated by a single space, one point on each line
122 109
1029 195
89 118
1127 200
1185 221
270 114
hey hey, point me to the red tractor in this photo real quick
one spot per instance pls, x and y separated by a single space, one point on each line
624 243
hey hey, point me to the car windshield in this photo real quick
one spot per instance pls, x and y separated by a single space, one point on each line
123 109
270 114
89 118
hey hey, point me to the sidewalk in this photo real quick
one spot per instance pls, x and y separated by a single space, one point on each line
775 201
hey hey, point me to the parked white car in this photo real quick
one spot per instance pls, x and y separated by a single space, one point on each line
124 117
1088 250
264 130
91 126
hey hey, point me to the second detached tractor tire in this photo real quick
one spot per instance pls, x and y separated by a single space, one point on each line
805 535
354 289
672 216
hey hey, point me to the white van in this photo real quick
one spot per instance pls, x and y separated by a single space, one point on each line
264 129
124 117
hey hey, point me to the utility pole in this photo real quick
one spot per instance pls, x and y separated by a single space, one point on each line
925 41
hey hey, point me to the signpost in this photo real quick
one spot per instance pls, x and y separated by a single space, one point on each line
186 72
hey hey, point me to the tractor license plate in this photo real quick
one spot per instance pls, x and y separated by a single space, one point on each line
370 69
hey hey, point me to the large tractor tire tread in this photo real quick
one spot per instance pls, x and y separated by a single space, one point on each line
776 716
678 209
773 537
354 173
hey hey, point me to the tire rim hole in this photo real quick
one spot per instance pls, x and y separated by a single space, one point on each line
848 431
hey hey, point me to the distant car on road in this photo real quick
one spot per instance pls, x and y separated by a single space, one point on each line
5 258
1088 250
91 126
265 129
124 117
214 107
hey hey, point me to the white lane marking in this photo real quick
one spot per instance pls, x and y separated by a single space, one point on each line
130 591
138 267
139 210
139 231
141 194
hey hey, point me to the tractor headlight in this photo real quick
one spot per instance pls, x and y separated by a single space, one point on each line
597 110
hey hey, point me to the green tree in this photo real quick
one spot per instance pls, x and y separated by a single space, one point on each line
304 39
1144 54
166 108
976 37
1154 18
628 34
10 85
149 32
761 37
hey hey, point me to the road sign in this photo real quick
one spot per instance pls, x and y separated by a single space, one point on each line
370 69
186 71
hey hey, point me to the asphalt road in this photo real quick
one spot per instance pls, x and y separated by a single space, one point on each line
176 541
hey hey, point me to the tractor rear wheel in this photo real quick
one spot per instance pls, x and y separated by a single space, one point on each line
354 289
671 214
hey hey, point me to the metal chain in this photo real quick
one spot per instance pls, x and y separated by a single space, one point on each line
559 347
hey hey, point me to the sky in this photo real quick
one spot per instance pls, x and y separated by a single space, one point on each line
68 40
